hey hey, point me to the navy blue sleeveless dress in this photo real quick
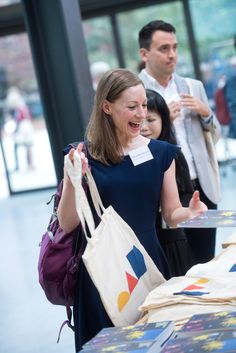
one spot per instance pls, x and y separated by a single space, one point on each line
134 192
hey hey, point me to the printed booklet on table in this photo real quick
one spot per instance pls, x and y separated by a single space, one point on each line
211 219
142 338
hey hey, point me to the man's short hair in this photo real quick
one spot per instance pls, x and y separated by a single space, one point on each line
145 34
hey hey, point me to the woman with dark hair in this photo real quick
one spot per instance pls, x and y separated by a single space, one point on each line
157 125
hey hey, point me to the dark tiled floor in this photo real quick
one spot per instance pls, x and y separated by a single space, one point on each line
28 322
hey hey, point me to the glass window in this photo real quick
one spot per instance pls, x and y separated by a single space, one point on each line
100 47
8 2
4 191
214 38
217 52
170 12
99 40
24 139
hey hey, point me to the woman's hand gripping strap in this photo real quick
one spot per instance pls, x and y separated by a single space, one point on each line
74 170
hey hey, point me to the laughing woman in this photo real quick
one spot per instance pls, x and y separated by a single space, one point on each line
133 186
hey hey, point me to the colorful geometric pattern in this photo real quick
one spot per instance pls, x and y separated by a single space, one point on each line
136 260
195 289
233 268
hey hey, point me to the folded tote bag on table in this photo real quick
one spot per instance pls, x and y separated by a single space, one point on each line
117 263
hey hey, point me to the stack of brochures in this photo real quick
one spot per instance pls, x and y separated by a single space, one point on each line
212 333
144 338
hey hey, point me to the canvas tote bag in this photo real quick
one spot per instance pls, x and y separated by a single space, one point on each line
117 263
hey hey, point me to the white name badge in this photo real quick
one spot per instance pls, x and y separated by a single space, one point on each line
140 155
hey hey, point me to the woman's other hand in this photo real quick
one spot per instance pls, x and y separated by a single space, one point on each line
196 206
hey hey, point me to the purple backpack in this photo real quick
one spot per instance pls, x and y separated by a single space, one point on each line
58 263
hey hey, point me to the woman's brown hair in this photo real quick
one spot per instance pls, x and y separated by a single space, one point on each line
101 133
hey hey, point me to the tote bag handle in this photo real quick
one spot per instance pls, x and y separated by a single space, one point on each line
97 202
82 205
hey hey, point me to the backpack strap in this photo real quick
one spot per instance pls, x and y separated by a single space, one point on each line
66 322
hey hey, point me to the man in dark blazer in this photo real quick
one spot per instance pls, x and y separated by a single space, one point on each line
191 116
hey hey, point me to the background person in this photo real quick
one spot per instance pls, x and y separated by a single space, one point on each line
190 115
98 69
157 125
134 191
230 95
23 134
